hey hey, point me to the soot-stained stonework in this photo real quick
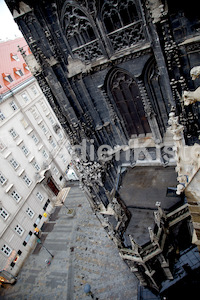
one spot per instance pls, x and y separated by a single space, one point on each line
112 71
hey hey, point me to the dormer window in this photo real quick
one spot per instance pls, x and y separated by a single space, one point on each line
7 77
26 68
18 72
14 56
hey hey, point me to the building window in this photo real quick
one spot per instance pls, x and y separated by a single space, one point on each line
37 221
19 72
117 14
46 204
6 250
2 146
19 230
26 68
3 213
130 108
39 196
60 135
51 120
36 166
30 212
44 129
53 143
8 78
63 159
34 137
43 105
2 179
27 238
80 34
14 56
55 170
45 154
12 264
2 117
25 97
13 105
13 133
16 195
14 163
35 114
122 22
34 90
27 180
19 252
25 150
24 123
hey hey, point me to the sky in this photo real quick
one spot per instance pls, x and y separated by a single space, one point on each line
8 27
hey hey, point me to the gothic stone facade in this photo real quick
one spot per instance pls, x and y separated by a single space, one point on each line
112 70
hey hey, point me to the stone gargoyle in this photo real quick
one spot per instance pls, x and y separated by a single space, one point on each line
195 72
190 97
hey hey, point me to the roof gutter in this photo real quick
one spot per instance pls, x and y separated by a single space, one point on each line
16 89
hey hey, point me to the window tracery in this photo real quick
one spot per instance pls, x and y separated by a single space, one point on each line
153 83
122 23
128 100
80 34
119 13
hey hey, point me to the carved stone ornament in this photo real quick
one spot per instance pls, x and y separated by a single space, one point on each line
21 10
191 97
152 235
156 9
90 173
175 127
180 189
134 245
127 37
195 72
118 211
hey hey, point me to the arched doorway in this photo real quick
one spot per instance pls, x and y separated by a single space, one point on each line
126 94
51 184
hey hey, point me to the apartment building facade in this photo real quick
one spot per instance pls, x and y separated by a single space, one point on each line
33 157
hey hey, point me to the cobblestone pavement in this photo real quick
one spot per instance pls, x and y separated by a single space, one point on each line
83 253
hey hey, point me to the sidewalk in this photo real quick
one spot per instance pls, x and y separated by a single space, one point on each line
83 253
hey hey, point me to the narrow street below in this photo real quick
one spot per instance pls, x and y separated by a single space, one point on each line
83 253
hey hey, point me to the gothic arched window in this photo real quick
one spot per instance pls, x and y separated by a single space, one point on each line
122 22
80 34
127 97
118 13
78 29
154 86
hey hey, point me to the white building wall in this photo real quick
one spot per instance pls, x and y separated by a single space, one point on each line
28 146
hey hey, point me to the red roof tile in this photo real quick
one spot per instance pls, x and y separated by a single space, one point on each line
11 62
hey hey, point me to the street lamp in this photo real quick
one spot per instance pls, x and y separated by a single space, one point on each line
39 242
70 211
64 205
